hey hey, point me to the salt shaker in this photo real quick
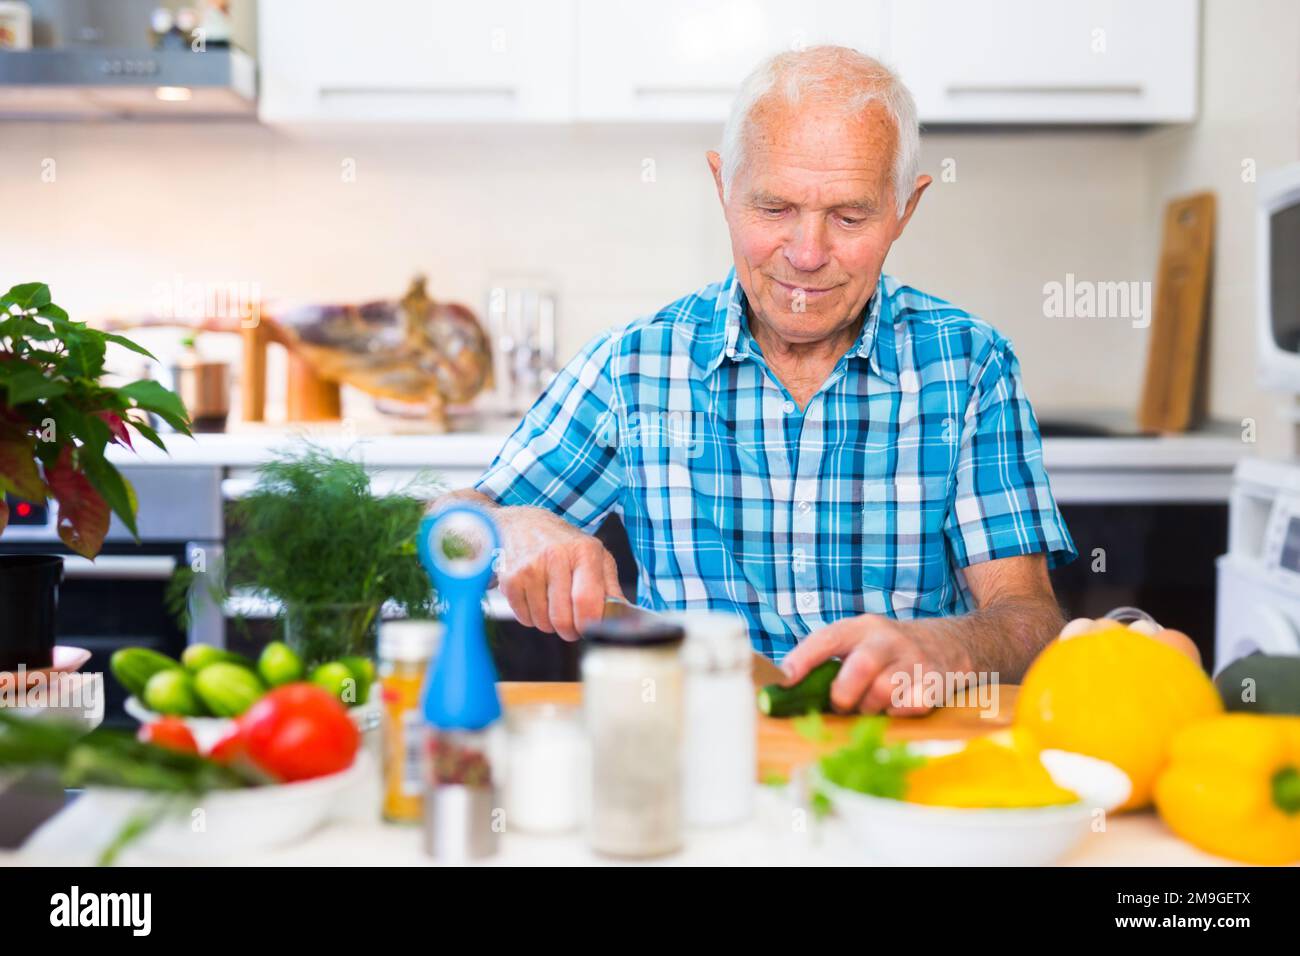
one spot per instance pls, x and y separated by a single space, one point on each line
720 756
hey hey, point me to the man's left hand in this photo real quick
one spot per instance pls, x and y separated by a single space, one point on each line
881 658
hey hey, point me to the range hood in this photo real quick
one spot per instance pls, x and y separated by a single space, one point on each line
98 59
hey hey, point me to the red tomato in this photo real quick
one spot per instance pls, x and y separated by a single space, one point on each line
300 731
169 732
230 748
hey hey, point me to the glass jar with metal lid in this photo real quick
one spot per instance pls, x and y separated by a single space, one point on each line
632 697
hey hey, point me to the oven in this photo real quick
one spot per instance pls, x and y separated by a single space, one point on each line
120 598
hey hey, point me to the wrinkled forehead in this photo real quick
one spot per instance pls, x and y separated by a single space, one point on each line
818 146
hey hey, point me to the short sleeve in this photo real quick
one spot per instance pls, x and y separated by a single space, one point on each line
563 456
1003 504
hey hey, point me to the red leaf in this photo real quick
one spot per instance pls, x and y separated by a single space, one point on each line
117 426
18 466
83 513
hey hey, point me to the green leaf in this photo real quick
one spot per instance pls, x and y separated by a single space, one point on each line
85 357
25 327
108 481
29 295
811 728
126 343
147 432
26 383
51 311
152 397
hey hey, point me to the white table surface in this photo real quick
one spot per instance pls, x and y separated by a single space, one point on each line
771 837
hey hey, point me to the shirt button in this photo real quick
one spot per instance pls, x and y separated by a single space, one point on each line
806 599
804 507
788 408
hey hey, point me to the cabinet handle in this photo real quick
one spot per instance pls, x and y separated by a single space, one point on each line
452 92
131 567
1044 89
647 91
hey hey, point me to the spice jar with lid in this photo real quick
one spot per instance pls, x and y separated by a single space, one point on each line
632 697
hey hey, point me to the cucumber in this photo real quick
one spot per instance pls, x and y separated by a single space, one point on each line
363 669
198 656
133 666
228 689
811 693
338 679
279 664
1261 684
172 692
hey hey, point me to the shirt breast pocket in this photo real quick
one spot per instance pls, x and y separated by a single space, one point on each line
905 553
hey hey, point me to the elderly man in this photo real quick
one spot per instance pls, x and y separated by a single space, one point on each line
848 462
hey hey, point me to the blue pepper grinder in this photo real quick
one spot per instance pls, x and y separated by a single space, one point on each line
460 702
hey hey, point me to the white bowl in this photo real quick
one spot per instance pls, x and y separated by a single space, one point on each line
912 834
208 730
226 823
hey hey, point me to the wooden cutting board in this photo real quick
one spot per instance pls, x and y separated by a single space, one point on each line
1172 396
780 747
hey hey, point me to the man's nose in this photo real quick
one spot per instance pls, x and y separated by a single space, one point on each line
807 249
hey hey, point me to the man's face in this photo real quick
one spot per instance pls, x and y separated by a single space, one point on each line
812 215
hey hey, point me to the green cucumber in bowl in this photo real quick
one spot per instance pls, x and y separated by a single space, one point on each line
198 656
813 693
228 689
133 666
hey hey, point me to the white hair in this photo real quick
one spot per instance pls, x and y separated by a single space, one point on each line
831 74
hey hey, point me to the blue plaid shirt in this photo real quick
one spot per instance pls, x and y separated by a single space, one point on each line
918 456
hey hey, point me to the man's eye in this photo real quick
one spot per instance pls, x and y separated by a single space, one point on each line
772 210
848 221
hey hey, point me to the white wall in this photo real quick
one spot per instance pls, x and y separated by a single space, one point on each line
1250 114
134 205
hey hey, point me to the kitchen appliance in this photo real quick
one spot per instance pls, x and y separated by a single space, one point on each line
1277 280
104 58
1259 577
120 598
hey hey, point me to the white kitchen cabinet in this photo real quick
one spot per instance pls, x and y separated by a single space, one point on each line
1048 61
416 61
684 59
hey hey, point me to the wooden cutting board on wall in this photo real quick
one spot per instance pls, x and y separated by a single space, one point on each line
1172 392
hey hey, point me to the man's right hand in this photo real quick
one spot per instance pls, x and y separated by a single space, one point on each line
555 577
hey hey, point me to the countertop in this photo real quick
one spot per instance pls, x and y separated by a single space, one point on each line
767 838
1178 468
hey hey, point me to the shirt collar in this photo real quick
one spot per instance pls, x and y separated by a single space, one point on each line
737 342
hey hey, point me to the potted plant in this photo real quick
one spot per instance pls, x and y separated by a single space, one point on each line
57 419
313 537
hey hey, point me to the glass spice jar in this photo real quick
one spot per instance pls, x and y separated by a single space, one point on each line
406 649
632 699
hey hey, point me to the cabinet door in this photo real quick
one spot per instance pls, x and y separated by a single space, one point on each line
1048 61
416 60
684 59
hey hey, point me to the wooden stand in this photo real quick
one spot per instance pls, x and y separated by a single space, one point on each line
310 397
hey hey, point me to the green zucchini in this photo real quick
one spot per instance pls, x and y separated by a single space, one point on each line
813 693
133 666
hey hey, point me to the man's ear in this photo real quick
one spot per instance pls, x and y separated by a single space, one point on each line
715 166
921 183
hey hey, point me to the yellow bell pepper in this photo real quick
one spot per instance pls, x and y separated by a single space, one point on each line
998 770
1232 787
